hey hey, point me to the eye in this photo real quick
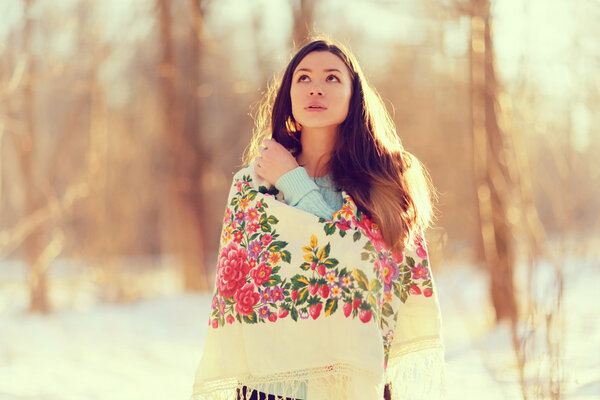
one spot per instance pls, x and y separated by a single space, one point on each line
301 78
334 77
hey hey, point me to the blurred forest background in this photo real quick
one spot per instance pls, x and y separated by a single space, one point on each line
121 123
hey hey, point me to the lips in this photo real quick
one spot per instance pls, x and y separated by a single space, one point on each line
315 106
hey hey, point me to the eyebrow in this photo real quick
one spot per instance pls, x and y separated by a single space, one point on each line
325 70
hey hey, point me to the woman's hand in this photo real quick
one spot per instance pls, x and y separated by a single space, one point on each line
274 160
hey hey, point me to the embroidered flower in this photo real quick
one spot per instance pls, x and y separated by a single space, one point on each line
266 239
266 296
343 224
263 312
389 337
215 302
347 209
221 307
252 215
246 298
388 271
232 269
230 319
346 281
261 274
387 297
303 314
277 294
331 277
420 272
255 248
372 231
253 228
274 258
238 236
240 216
336 292
244 202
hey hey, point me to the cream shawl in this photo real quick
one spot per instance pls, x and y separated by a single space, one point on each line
317 308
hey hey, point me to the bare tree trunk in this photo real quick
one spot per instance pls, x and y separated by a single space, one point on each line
38 282
185 183
303 12
494 184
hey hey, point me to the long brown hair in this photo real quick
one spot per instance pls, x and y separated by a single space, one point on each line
368 161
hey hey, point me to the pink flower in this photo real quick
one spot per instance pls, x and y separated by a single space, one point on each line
388 272
253 228
238 236
230 319
239 186
266 240
372 231
420 272
343 224
215 323
246 298
261 274
232 269
252 215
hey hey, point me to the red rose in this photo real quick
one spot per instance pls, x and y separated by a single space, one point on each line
261 274
246 298
427 292
232 269
283 313
315 310
347 309
230 319
266 240
414 289
365 315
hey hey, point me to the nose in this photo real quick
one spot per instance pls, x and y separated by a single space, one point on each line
316 91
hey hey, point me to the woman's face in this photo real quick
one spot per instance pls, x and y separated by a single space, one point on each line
320 90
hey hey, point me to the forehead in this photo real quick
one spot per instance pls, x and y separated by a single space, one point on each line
319 61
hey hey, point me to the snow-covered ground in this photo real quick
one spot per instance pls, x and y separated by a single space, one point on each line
149 349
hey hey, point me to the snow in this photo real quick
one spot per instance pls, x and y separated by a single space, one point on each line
149 349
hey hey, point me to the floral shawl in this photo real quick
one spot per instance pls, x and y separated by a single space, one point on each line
321 308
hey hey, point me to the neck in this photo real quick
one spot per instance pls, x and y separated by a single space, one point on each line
317 146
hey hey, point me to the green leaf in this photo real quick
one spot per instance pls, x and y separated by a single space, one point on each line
234 201
410 261
364 256
369 246
305 266
302 295
374 285
329 228
361 278
425 262
286 256
387 310
265 227
331 306
342 233
272 220
251 319
331 262
356 236
299 281
263 219
277 245
294 314
404 296
275 279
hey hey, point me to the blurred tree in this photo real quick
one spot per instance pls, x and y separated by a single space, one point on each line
303 13
182 133
493 181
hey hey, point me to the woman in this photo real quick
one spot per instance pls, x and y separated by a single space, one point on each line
330 150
